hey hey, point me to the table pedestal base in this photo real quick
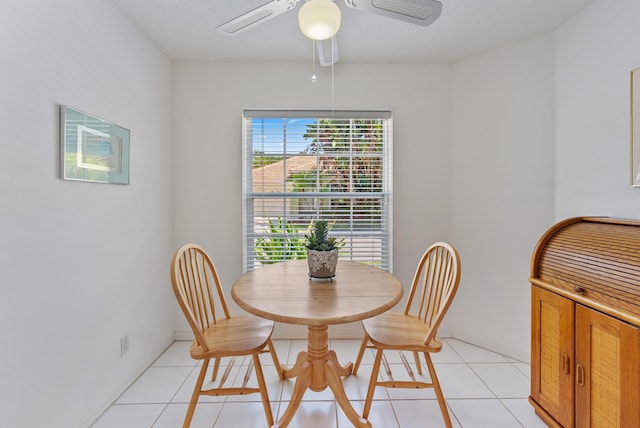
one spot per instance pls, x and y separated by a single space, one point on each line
315 370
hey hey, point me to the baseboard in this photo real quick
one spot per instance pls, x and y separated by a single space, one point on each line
525 358
338 331
354 331
108 403
284 331
183 335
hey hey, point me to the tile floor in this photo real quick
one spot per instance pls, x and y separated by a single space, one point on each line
482 389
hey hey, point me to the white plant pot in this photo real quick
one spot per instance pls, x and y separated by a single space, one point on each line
322 264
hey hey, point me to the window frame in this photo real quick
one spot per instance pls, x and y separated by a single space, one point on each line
249 196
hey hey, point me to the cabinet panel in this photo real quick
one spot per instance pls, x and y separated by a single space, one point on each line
585 273
552 354
607 374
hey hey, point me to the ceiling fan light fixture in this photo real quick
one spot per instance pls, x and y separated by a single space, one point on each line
319 19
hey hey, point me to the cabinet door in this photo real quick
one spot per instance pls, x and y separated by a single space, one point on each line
552 338
607 372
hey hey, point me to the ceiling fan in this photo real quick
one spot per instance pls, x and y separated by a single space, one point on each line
420 12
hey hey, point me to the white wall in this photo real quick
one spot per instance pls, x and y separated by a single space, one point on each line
81 264
209 99
503 139
475 163
596 51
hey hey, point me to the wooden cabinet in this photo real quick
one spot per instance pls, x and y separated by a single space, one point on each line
585 343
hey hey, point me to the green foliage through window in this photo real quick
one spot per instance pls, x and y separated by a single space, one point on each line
283 242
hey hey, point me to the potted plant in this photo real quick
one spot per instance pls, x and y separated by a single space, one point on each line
322 250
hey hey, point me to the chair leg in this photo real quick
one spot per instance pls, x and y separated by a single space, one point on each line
196 394
363 346
263 389
372 383
216 366
438 390
274 357
416 357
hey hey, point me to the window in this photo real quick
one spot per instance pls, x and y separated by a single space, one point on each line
301 166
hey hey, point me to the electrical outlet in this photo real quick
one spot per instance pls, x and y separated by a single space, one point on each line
124 345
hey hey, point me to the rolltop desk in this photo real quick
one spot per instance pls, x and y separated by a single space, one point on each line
585 318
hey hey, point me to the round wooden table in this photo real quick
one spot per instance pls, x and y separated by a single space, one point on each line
283 292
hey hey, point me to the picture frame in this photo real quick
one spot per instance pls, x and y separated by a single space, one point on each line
92 149
635 127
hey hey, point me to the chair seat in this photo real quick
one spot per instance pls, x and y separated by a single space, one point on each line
239 335
395 330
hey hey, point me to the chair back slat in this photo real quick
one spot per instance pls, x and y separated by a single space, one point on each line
438 276
201 288
197 287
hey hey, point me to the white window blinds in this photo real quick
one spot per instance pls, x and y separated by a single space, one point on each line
301 166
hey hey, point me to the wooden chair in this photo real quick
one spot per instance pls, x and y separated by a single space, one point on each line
217 334
415 329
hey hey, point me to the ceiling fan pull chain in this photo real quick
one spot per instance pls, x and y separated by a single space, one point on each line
332 79
314 79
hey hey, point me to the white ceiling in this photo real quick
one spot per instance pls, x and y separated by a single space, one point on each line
185 30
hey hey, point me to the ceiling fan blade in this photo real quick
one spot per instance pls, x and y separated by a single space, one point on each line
256 16
328 51
421 12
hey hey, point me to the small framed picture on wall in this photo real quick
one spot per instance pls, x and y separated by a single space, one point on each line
92 149
635 127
